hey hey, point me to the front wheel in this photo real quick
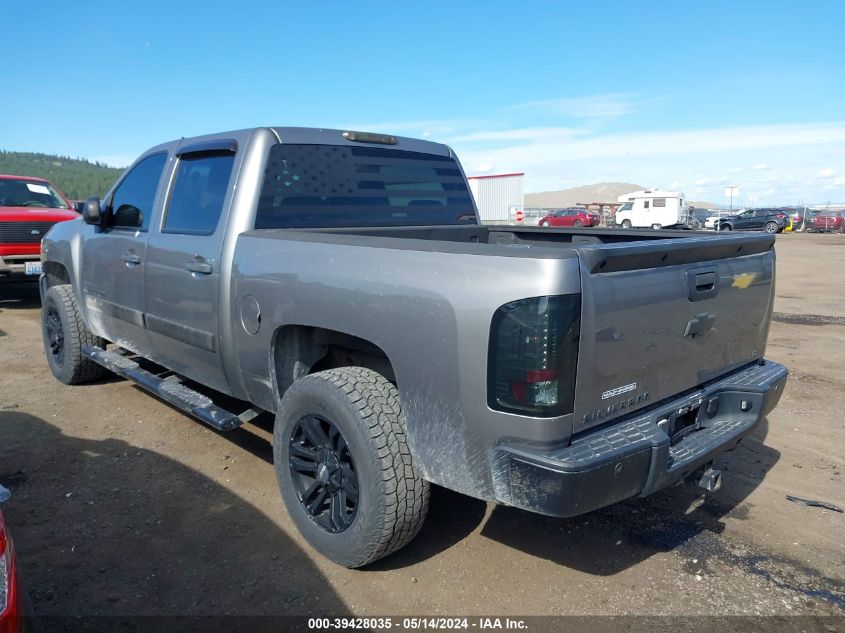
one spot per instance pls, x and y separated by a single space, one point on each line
656 227
543 224
725 227
344 468
771 227
64 334
626 224
578 224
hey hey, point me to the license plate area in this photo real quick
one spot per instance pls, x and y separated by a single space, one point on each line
32 268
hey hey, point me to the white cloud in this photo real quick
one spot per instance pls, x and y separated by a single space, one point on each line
554 158
527 134
593 106
826 173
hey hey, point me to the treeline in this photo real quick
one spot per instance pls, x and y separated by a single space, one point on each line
76 177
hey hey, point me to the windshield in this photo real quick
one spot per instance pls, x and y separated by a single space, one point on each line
21 192
321 186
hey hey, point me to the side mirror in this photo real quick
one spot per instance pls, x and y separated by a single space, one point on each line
91 212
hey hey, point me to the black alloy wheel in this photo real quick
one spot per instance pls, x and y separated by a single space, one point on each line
55 334
323 473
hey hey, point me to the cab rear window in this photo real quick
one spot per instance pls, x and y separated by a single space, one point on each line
322 186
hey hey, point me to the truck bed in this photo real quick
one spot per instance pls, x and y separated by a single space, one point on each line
643 248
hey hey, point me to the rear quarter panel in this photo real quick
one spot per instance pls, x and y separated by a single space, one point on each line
430 312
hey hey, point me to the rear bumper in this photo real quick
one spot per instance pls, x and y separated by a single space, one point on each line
634 457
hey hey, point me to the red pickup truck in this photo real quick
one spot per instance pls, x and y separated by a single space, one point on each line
29 207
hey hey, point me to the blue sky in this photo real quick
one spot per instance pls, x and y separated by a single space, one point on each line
692 96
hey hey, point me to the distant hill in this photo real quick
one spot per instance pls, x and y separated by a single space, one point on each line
600 192
76 177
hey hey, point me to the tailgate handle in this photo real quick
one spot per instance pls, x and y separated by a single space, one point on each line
703 283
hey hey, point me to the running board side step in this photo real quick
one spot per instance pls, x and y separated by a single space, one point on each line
170 389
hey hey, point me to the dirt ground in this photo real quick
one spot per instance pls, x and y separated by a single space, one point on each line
123 505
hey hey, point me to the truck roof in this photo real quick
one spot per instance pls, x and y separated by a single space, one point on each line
318 136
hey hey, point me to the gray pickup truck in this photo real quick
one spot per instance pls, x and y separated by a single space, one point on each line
341 281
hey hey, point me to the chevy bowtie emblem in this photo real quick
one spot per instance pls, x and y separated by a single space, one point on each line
699 324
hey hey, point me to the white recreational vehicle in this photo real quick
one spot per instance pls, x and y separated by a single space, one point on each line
652 208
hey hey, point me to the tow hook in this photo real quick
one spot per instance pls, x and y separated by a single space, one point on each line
711 479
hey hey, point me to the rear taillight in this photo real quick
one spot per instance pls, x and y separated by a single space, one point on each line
534 355
4 581
5 569
10 608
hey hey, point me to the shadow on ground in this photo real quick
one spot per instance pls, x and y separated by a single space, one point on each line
616 538
19 295
105 528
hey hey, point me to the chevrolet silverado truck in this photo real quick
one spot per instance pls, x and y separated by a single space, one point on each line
29 207
341 281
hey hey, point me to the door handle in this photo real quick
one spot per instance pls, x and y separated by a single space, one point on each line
200 267
131 258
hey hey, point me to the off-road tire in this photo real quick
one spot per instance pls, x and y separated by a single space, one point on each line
69 367
393 498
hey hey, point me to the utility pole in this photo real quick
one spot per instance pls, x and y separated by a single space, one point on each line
729 191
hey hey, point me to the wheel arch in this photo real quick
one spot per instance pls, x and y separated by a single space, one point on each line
299 350
55 274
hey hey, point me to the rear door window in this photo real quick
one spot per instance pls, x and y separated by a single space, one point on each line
199 192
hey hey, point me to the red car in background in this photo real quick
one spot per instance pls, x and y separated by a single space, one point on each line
29 207
13 615
576 217
826 221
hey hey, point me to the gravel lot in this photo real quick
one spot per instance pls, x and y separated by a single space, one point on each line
123 505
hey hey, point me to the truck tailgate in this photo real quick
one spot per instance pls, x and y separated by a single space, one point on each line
662 317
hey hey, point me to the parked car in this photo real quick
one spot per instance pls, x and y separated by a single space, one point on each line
827 222
769 220
29 207
342 281
13 605
714 215
576 217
